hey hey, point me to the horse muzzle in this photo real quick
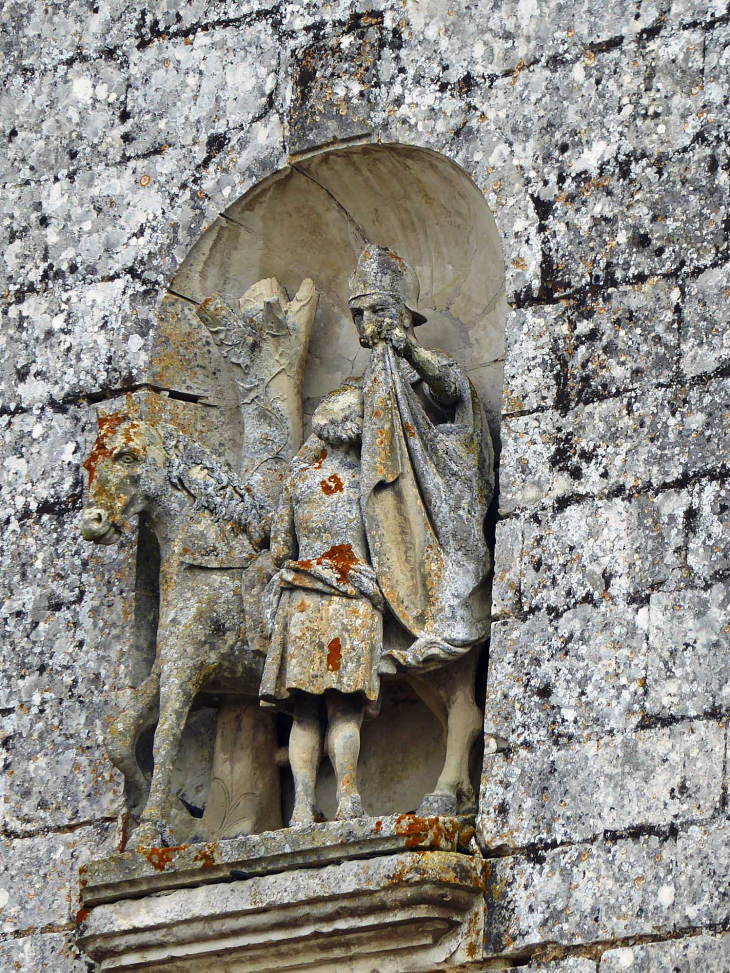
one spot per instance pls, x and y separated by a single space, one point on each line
95 526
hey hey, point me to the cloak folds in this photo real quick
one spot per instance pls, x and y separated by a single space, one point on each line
425 490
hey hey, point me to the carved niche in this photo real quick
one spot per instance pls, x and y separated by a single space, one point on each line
313 488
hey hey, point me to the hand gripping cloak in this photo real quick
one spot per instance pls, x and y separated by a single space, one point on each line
425 490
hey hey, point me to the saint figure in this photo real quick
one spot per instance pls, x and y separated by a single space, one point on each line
426 473
325 607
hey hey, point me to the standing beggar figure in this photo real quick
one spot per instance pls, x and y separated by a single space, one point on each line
325 606
425 480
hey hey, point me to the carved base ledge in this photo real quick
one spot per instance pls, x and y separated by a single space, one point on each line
414 910
141 872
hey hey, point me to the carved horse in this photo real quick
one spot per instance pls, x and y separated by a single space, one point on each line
208 528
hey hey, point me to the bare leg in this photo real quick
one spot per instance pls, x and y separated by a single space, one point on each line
305 752
345 714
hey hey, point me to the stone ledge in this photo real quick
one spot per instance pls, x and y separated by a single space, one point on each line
411 910
143 872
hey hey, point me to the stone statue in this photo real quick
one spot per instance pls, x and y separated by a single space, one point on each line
208 529
327 622
383 512
426 479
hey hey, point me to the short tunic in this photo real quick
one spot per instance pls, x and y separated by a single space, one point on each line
320 642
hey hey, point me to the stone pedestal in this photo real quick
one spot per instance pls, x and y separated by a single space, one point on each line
396 894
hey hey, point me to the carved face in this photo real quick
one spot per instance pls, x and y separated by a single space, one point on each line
338 418
375 314
126 470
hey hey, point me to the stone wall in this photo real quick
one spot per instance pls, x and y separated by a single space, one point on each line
598 135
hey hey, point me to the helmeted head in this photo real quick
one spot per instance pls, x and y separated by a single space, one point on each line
126 470
383 285
338 417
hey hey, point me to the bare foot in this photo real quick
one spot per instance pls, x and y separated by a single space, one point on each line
350 807
305 814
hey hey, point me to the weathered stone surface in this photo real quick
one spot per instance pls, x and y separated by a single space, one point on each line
610 550
507 568
606 239
432 902
579 676
49 953
576 964
225 78
43 738
41 471
570 895
651 438
315 845
577 791
704 952
705 329
709 554
688 670
580 350
39 877
332 84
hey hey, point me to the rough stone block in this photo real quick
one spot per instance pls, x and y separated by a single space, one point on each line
45 953
64 118
592 893
688 671
332 83
611 550
200 86
578 676
43 451
704 952
54 770
709 553
573 964
640 218
705 330
507 566
576 792
577 351
39 877
651 438
64 607
535 341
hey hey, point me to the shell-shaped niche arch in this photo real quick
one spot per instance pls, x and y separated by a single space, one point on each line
312 219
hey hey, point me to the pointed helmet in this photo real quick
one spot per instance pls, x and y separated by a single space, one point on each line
381 271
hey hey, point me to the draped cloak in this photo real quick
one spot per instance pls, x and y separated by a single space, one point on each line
425 490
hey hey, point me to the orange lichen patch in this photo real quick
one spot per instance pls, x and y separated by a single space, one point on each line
378 826
108 426
317 465
333 484
471 950
409 429
160 858
82 915
341 557
334 655
206 856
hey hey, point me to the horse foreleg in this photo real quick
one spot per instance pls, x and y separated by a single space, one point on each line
177 691
138 714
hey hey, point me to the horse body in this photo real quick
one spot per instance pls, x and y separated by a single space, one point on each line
201 516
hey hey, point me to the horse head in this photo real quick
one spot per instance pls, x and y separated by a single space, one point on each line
126 469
